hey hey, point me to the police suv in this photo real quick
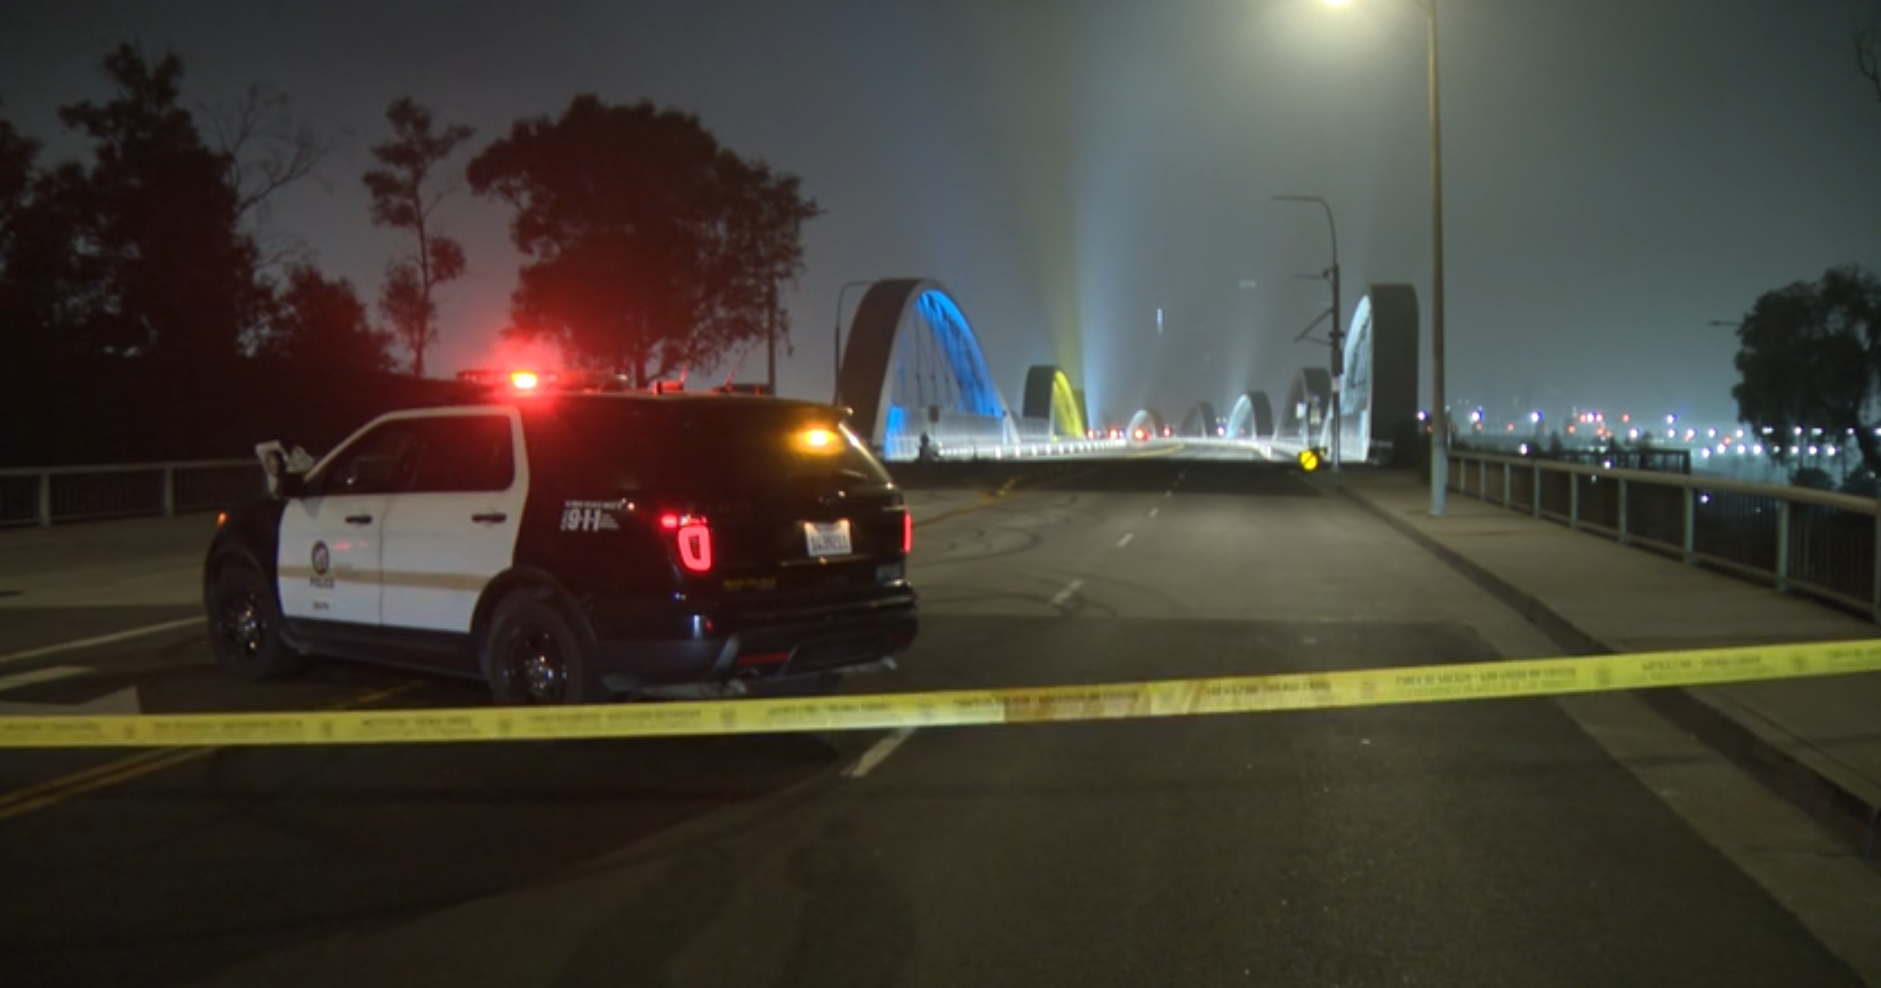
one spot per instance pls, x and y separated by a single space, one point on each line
574 547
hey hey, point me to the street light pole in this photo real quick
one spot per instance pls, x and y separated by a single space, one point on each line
1439 417
1337 365
1440 436
836 350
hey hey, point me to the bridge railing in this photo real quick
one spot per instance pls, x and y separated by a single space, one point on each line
50 495
1797 539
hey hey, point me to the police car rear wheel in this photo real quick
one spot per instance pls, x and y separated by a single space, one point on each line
245 626
533 654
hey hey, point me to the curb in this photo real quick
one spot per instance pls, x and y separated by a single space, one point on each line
1806 780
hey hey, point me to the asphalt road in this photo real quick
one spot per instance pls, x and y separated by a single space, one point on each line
1491 843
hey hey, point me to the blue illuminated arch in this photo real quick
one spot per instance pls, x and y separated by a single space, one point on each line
913 365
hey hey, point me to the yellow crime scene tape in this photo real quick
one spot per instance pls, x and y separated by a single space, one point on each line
955 708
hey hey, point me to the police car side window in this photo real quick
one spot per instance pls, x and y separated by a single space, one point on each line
463 453
376 463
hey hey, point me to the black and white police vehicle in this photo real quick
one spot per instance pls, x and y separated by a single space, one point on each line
576 547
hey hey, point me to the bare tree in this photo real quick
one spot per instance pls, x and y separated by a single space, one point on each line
1868 53
265 149
404 197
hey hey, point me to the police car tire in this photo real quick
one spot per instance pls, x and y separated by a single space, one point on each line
239 584
519 616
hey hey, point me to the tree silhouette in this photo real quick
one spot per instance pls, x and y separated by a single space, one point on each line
651 247
155 226
1809 355
320 326
404 197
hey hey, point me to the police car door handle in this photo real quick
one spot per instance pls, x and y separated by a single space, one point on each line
489 517
359 519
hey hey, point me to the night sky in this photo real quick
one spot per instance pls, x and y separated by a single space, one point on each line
1618 172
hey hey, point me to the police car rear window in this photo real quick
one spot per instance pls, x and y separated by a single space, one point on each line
703 446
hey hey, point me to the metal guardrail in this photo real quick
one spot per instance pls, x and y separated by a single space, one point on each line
904 449
1812 542
50 495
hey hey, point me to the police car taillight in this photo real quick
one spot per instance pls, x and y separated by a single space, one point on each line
524 380
692 540
907 533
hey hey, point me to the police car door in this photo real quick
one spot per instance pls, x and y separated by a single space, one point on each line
455 528
329 548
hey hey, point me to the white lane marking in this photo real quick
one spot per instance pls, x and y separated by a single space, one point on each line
1064 596
111 639
45 675
877 754
1153 512
1127 536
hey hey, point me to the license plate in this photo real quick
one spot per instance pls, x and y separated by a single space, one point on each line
827 538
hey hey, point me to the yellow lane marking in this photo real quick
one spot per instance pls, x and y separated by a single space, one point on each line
124 770
1177 448
20 802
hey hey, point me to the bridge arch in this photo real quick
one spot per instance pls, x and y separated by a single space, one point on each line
1148 419
1308 408
912 364
1050 396
1201 420
1252 417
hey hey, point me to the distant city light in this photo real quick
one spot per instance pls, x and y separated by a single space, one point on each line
1740 433
1711 433
1766 430
1422 415
1758 449
1721 449
1671 433
1570 430
1632 433
1705 453
1799 430
1740 449
1831 450
1671 419
1524 449
1476 416
1534 417
1812 451
1704 499
1815 432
